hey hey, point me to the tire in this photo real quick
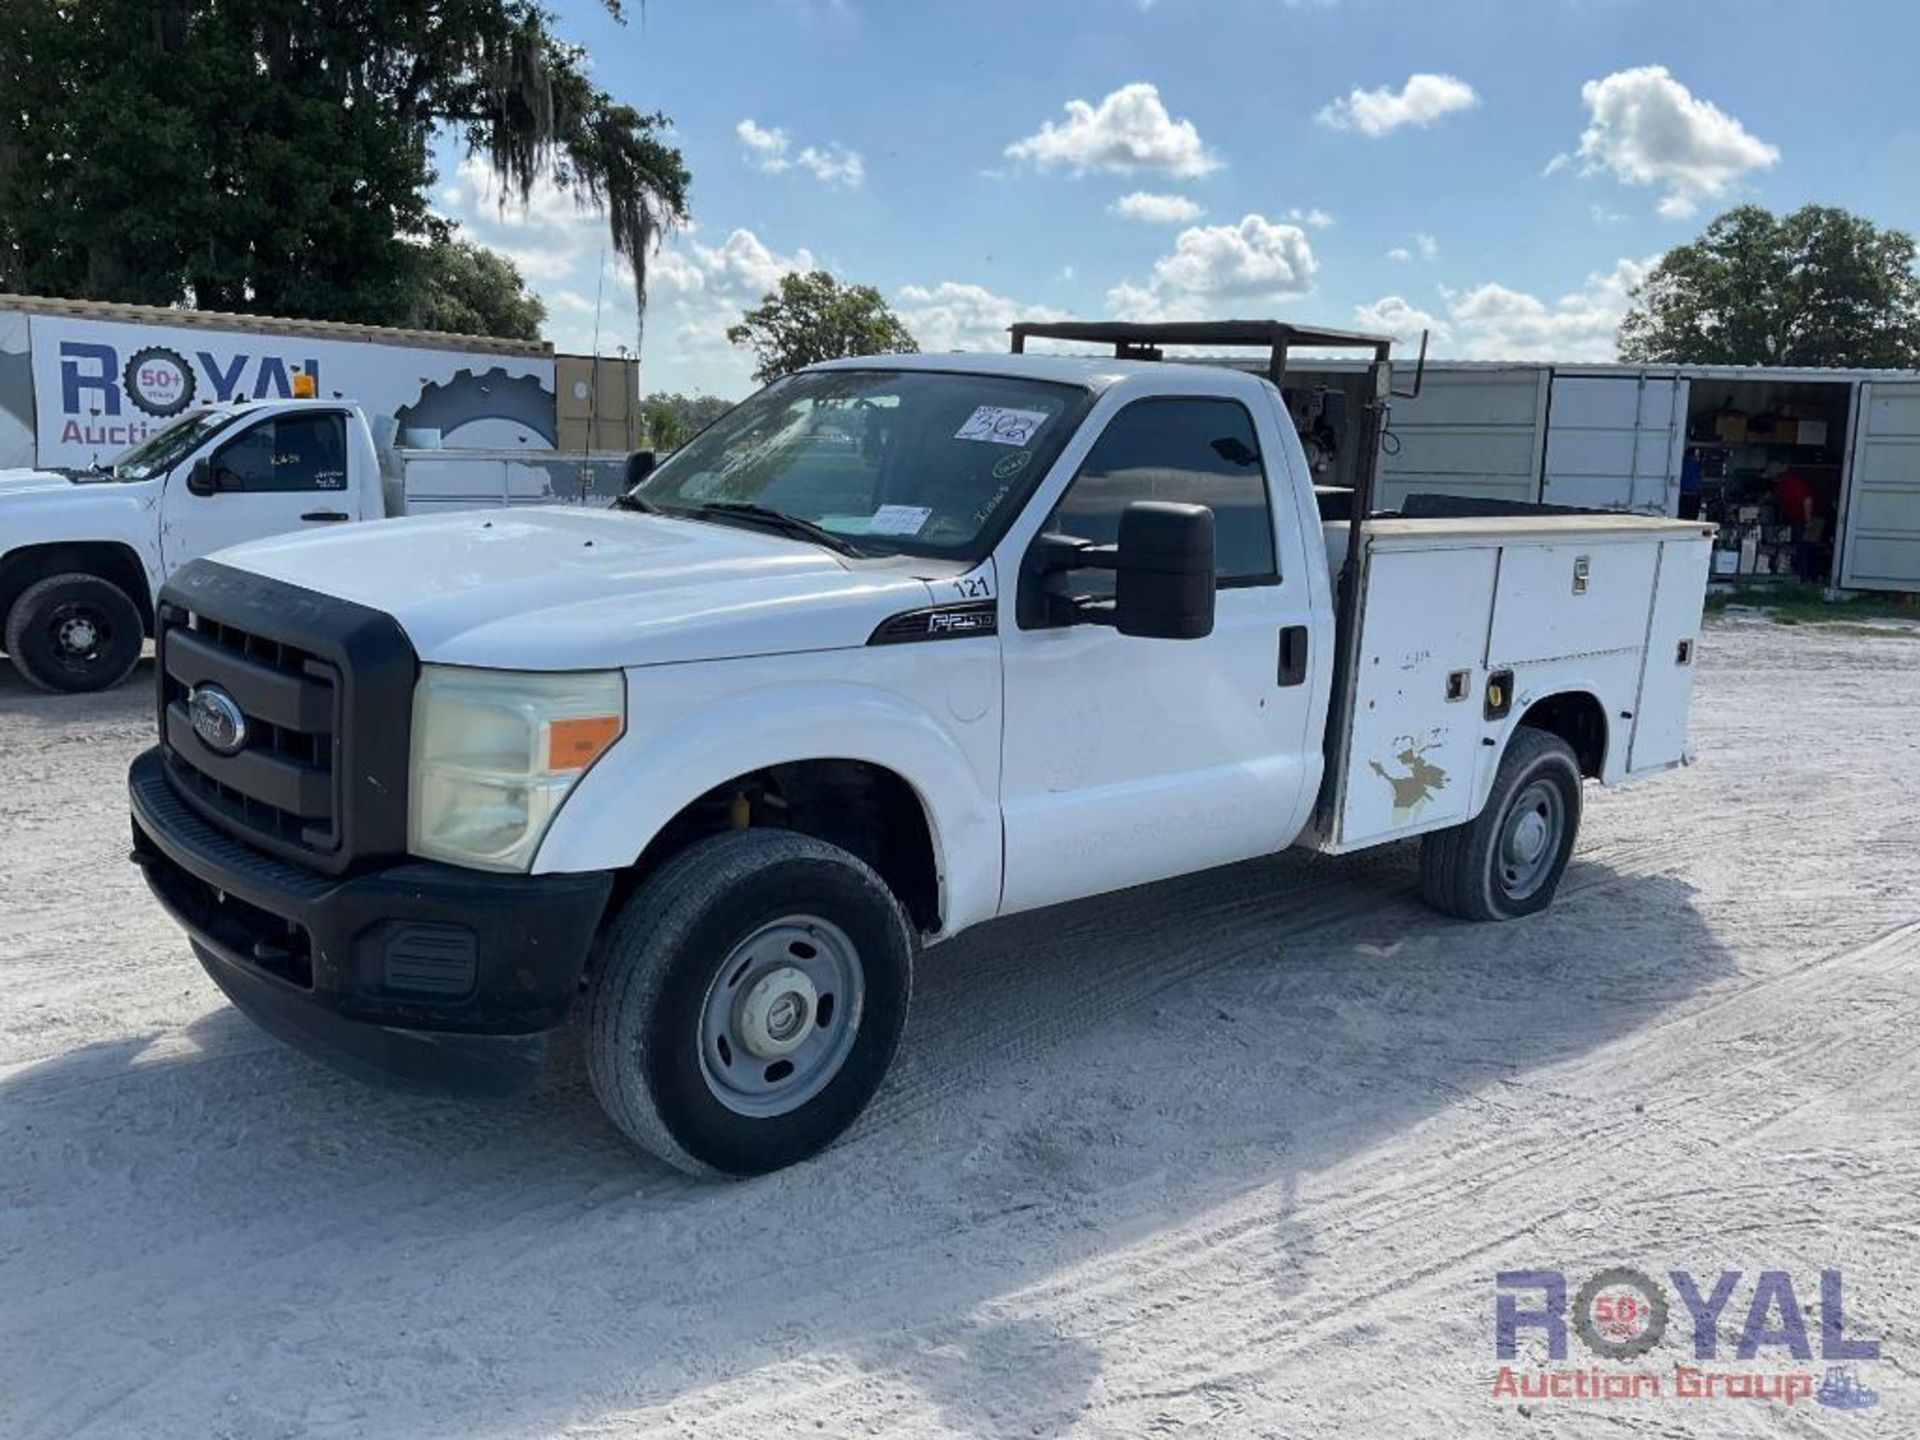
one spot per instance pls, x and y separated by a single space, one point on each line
713 940
74 633
1502 865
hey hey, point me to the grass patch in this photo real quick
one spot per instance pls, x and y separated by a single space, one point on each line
1795 603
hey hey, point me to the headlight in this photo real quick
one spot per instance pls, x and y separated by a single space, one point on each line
495 753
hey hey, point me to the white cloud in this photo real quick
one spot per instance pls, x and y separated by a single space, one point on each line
1313 219
834 165
1494 322
765 147
1646 128
1156 209
1392 315
1425 245
548 237
956 316
769 150
1127 131
1213 267
740 268
1423 100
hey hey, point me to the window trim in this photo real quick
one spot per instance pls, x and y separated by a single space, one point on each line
225 442
1220 582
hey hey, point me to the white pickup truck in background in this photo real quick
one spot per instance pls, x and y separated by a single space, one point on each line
83 552
899 645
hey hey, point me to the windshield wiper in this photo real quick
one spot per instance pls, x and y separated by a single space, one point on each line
778 520
639 504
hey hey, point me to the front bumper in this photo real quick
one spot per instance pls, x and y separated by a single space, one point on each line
421 972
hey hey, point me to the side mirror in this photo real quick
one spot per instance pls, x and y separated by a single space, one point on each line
1163 566
1164 571
200 478
640 465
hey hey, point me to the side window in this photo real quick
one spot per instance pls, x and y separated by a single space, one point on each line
1200 452
294 452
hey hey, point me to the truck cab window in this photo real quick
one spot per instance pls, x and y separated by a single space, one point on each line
1198 452
293 452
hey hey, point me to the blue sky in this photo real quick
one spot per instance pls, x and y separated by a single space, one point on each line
1496 169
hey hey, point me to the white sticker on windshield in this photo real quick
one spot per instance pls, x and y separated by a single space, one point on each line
1001 426
899 519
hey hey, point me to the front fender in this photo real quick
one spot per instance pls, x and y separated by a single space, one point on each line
665 762
95 514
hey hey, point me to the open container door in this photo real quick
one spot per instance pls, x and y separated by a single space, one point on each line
1882 540
1615 442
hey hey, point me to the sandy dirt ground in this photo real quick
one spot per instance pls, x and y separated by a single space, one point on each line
1236 1154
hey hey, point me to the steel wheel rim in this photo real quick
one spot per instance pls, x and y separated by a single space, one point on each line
81 634
1530 837
781 1016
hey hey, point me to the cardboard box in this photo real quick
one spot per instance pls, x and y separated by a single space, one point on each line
1730 426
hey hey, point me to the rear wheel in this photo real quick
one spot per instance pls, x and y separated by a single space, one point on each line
1507 862
748 1001
74 633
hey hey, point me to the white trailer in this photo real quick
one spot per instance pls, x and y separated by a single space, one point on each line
82 381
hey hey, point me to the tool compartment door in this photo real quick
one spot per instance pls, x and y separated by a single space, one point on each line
1666 670
1411 754
1571 597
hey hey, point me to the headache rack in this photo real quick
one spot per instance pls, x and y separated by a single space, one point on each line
1133 340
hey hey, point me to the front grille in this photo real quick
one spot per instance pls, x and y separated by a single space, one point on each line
282 784
325 689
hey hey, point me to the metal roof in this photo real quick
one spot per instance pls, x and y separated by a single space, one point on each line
223 320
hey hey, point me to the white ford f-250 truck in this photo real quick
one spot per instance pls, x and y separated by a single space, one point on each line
84 552
899 645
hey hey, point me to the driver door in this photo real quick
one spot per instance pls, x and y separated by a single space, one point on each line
287 472
1129 759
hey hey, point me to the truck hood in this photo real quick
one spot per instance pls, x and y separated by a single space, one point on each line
28 482
546 588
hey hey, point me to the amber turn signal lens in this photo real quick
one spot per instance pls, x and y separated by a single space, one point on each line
575 744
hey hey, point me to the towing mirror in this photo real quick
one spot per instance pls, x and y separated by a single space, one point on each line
1164 576
1163 568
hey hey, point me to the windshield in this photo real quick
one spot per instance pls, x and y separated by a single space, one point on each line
164 449
924 462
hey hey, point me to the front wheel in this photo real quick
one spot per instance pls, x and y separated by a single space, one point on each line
747 1002
74 633
1507 862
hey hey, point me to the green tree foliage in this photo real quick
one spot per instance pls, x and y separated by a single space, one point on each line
467 289
814 317
273 156
673 419
1818 287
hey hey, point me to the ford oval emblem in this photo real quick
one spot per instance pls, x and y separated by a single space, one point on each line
217 720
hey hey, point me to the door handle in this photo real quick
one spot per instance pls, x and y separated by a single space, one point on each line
1293 655
326 515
